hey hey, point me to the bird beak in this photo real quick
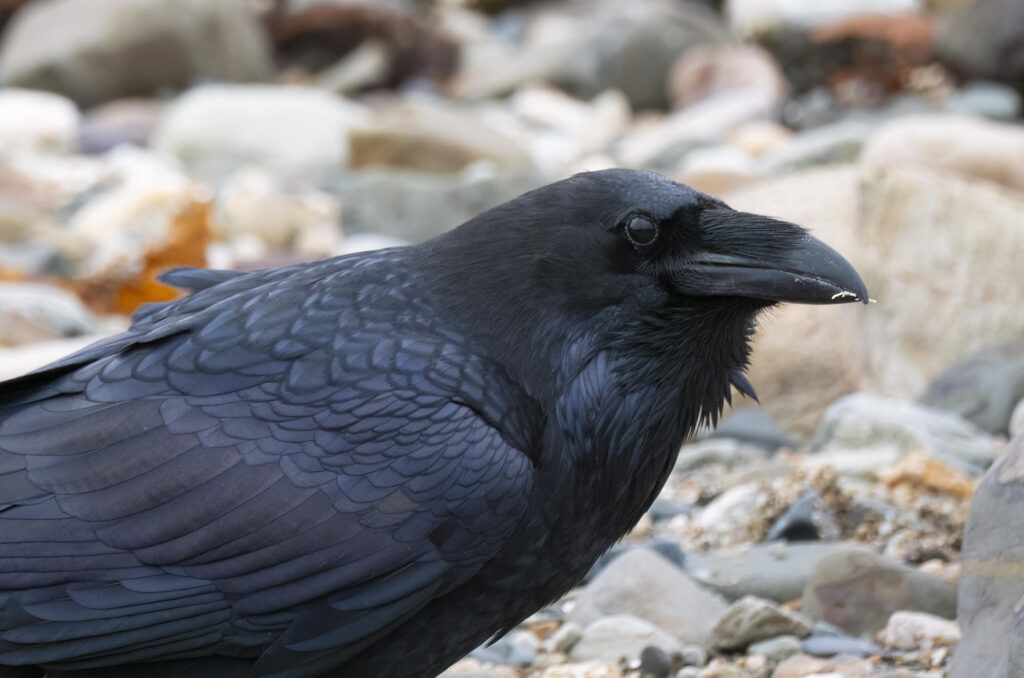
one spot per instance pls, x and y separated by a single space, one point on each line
746 255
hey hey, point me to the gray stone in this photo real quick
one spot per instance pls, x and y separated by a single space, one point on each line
32 312
99 50
988 99
776 649
655 663
751 619
693 655
862 421
832 645
415 206
754 427
991 582
857 590
562 640
984 388
808 519
776 572
983 40
590 47
620 638
643 584
214 129
514 649
835 143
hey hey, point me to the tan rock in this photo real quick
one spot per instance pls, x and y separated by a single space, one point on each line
941 254
969 146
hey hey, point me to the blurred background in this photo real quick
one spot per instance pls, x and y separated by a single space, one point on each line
138 135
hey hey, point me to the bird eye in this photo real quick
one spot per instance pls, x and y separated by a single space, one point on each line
641 231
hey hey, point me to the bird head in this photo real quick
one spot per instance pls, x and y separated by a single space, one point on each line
690 244
631 253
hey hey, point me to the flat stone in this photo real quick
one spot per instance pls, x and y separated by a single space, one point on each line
776 572
830 646
857 590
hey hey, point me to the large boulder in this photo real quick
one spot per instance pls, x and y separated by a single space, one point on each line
940 302
936 304
992 574
97 50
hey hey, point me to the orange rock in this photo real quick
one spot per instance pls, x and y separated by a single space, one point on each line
923 473
113 291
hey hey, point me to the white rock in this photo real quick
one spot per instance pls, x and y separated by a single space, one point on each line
750 17
291 130
36 121
620 638
918 631
733 510
125 220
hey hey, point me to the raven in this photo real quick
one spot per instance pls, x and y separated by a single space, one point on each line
369 465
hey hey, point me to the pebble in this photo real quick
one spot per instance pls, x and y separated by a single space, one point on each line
917 630
752 619
832 645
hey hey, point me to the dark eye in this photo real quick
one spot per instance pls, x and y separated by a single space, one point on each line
641 231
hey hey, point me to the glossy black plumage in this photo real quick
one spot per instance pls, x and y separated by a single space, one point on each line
368 465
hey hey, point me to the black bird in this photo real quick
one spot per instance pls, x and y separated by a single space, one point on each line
369 465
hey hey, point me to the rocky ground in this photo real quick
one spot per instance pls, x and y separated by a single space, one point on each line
822 535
